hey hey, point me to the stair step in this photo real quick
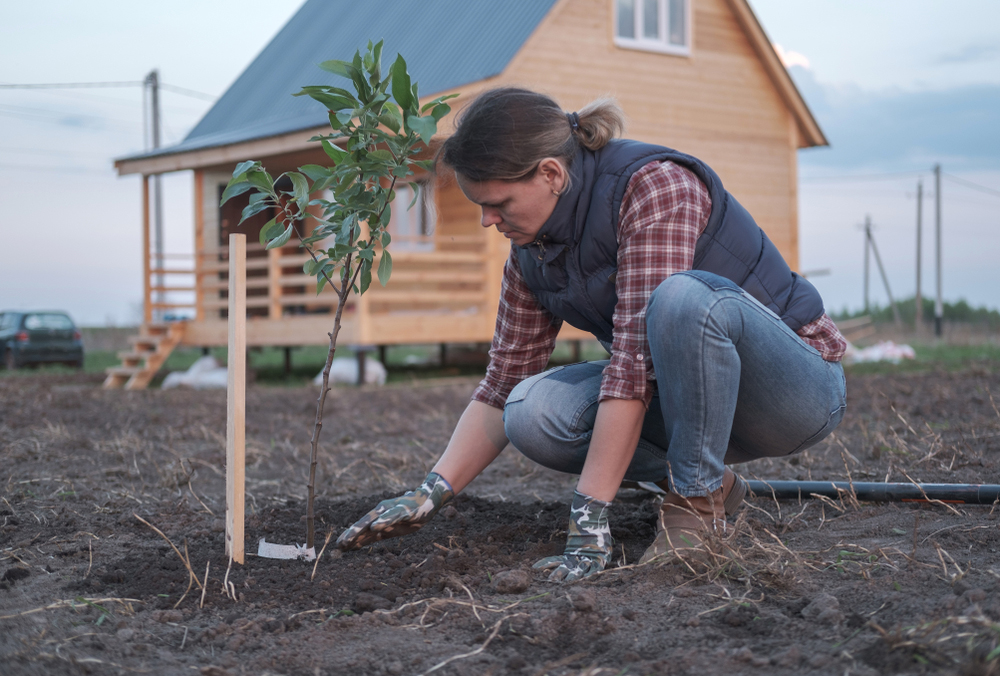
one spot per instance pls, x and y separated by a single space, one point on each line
136 354
123 370
147 340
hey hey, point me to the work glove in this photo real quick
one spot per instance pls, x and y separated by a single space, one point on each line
588 545
399 516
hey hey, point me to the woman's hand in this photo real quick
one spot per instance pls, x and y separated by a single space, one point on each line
588 545
399 516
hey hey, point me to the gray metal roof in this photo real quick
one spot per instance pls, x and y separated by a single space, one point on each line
446 43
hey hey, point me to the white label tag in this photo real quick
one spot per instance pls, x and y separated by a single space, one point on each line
269 550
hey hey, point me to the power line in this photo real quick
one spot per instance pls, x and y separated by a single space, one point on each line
974 186
184 91
71 85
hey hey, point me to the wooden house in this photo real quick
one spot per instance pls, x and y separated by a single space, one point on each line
697 75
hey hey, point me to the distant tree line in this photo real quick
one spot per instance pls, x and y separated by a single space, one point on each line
960 312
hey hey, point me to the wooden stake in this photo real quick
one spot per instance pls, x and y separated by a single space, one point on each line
236 409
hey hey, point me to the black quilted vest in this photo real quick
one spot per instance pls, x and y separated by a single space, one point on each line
571 265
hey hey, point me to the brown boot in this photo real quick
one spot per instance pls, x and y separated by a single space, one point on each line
734 490
684 523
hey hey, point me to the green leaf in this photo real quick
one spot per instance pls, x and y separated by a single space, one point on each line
402 171
381 155
282 239
261 179
384 268
315 171
243 167
415 187
341 68
300 189
425 127
389 121
344 116
334 153
440 111
270 230
377 56
254 208
234 189
401 83
331 101
365 279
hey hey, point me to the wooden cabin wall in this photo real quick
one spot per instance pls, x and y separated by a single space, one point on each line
718 104
458 220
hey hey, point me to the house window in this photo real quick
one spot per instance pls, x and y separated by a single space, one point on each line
653 25
412 229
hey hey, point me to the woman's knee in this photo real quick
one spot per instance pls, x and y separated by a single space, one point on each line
539 423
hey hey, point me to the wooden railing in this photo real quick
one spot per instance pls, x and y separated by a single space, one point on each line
420 280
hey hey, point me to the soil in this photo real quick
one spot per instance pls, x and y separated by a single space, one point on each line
823 587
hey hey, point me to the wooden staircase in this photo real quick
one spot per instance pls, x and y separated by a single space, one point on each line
150 350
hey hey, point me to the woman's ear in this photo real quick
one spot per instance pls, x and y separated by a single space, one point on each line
554 173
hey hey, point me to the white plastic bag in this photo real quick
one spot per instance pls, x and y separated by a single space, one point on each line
345 370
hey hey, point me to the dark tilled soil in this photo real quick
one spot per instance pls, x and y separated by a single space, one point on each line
824 587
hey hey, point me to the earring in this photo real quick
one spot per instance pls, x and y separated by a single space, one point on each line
557 193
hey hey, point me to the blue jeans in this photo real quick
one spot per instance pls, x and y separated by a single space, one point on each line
734 384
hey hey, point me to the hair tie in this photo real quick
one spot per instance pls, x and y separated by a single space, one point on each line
574 120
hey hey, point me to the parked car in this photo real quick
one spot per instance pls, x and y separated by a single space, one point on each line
39 337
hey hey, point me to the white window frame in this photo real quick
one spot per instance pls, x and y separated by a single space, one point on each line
658 45
413 229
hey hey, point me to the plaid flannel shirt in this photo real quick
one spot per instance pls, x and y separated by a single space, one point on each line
664 210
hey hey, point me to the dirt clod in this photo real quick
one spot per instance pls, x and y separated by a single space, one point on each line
584 600
512 581
16 573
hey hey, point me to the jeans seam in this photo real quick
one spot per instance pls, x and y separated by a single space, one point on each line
704 423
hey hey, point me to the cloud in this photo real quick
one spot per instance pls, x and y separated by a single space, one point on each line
969 54
789 59
893 129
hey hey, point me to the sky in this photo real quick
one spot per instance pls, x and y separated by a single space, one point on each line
896 86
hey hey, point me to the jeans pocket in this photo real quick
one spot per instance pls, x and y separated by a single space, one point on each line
521 390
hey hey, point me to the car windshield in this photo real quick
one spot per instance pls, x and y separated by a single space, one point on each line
47 321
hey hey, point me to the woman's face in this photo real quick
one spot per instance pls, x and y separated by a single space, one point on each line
518 209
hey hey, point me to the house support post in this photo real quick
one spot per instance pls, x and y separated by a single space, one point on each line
147 299
199 244
274 283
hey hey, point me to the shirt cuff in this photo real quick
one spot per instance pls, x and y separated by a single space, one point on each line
633 386
489 396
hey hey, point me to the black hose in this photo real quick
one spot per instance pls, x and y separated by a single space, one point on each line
974 494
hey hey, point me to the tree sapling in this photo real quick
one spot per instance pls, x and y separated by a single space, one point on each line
377 133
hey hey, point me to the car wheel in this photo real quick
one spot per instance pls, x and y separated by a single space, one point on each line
10 361
78 364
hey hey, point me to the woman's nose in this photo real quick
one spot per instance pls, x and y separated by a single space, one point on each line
491 217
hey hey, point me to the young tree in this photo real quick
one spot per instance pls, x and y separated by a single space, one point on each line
377 132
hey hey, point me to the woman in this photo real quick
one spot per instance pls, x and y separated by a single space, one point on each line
719 353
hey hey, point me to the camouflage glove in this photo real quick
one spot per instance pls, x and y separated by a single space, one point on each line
399 516
588 545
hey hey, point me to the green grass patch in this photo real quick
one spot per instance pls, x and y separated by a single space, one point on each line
932 357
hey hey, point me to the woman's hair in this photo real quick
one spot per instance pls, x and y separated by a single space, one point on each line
504 133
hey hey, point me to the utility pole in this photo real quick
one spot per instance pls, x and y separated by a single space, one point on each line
938 303
918 322
885 280
152 82
868 239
